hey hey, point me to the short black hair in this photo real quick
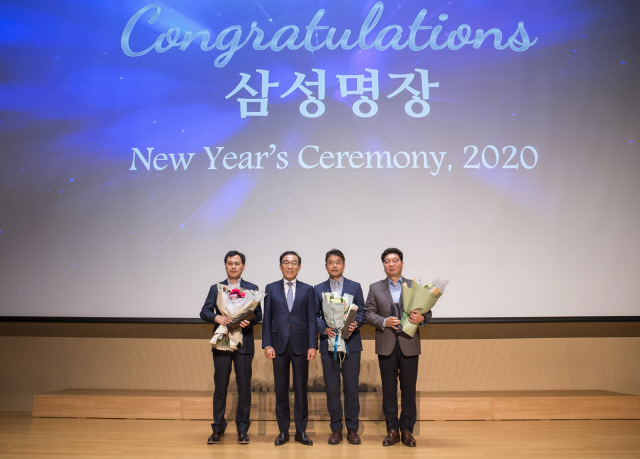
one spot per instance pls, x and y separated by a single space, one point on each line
336 252
233 253
392 250
291 252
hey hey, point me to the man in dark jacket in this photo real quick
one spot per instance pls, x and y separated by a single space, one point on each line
347 364
234 263
290 339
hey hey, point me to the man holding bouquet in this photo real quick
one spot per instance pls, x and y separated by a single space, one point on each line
398 352
290 339
234 263
349 362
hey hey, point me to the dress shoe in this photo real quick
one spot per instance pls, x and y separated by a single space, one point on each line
352 437
281 439
393 437
215 438
243 438
408 439
302 438
336 437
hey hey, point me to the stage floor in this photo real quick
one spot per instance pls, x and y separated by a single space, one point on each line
24 436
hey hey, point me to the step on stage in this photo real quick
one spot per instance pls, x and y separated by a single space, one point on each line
432 406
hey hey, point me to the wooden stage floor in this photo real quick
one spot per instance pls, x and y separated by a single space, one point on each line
24 436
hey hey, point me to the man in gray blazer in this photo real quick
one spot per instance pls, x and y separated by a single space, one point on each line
397 352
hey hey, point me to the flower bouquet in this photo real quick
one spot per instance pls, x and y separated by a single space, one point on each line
420 298
238 304
337 310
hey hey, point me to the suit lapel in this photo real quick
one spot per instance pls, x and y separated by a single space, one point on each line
346 284
387 292
296 299
280 293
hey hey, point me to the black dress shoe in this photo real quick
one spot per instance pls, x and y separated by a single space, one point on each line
281 439
302 438
243 438
215 438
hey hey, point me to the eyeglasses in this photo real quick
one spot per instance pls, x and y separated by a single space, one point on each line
236 264
389 261
335 263
290 263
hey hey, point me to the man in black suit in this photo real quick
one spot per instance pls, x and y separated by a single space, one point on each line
290 338
234 263
349 363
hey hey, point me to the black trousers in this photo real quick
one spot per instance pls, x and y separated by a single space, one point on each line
222 361
393 367
350 371
281 374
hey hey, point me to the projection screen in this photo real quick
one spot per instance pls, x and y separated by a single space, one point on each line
494 142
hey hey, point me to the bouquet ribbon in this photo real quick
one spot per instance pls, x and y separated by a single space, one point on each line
334 316
335 345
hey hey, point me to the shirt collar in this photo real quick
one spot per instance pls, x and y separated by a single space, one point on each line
237 284
391 284
293 281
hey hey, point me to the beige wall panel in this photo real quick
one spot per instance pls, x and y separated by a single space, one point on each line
531 364
21 374
31 365
99 363
606 364
162 364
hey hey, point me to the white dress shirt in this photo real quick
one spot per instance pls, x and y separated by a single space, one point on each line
286 287
232 286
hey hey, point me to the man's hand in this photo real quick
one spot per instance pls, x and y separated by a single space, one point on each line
391 322
223 320
311 354
245 323
270 353
416 318
330 333
353 326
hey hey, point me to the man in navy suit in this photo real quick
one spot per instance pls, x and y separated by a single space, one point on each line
348 364
290 338
234 263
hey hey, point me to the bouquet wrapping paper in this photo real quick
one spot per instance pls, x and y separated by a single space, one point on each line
421 299
232 303
335 309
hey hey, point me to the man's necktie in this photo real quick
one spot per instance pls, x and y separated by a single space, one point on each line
290 296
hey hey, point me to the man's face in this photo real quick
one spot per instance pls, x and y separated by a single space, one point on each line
290 267
393 265
335 266
234 267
